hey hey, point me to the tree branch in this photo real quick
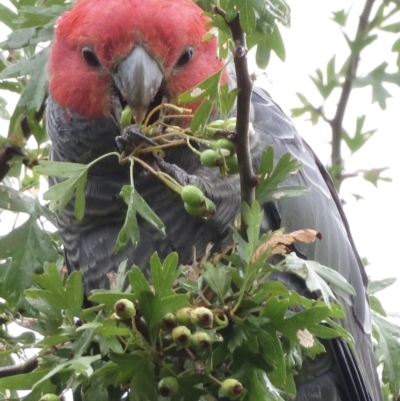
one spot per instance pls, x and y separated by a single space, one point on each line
29 366
337 122
245 88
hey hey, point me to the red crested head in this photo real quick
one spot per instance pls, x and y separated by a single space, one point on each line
94 37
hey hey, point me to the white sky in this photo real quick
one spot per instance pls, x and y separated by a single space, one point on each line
310 43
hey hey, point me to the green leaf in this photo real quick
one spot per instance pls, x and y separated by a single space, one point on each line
218 278
24 381
74 291
359 139
142 383
269 189
379 285
246 16
29 247
201 117
374 175
26 66
273 352
340 17
164 275
60 169
388 351
15 201
206 88
109 298
375 79
317 276
60 194
261 388
7 17
227 99
376 305
136 205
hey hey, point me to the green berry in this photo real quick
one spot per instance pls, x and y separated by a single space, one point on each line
126 118
200 341
206 211
168 386
224 143
125 309
210 158
232 164
202 317
50 397
181 335
231 388
183 317
169 321
193 195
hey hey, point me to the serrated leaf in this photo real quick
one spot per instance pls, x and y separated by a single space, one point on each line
60 169
206 88
246 16
15 201
273 352
142 383
26 66
359 139
388 351
218 278
136 205
29 248
164 274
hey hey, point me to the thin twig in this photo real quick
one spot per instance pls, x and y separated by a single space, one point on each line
245 87
351 73
29 366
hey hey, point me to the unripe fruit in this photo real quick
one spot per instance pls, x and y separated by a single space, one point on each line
193 196
202 317
183 317
50 397
200 341
211 158
231 388
232 164
169 321
126 118
168 386
224 143
181 335
206 211
125 309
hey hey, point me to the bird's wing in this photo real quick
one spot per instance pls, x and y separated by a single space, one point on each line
320 208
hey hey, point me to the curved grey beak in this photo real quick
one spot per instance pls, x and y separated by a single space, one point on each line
138 78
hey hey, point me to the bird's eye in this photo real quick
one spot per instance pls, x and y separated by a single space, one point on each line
185 57
90 57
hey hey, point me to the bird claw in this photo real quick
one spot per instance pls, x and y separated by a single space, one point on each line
179 175
131 138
